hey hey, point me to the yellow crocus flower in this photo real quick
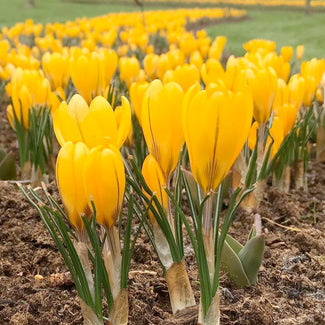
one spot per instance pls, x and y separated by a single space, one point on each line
300 49
217 47
87 75
196 59
281 95
110 61
155 179
263 85
212 71
162 125
286 53
66 120
215 128
129 70
185 75
104 183
137 91
95 124
277 133
56 69
296 86
69 170
150 64
288 115
21 103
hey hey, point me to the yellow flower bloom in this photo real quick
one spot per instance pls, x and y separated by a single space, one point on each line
150 64
21 103
288 115
196 59
300 49
28 88
260 45
87 75
252 136
129 70
296 86
263 84
162 124
276 131
217 47
95 125
56 69
110 60
137 91
104 183
185 75
286 53
320 95
213 149
69 170
281 96
212 71
155 179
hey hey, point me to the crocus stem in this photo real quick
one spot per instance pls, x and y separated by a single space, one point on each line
120 312
207 214
162 245
179 287
320 143
300 175
260 148
284 182
212 316
170 213
112 259
82 252
207 234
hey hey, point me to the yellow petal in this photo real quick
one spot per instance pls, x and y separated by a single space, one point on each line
99 125
67 119
161 123
155 179
216 129
104 182
69 171
125 124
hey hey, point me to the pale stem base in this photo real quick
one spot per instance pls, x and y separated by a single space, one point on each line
82 252
113 259
283 183
88 314
163 249
320 144
120 312
179 287
212 317
253 199
300 176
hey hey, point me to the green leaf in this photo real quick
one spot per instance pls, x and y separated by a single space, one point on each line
251 257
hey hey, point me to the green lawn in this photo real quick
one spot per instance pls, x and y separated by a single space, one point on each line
286 27
13 11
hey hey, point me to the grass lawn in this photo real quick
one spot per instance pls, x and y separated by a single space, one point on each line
13 11
286 27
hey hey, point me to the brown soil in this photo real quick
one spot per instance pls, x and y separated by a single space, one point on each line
290 288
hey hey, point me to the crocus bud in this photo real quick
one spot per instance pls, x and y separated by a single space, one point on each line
104 183
69 170
213 150
162 123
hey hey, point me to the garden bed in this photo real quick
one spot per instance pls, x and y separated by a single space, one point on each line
291 282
